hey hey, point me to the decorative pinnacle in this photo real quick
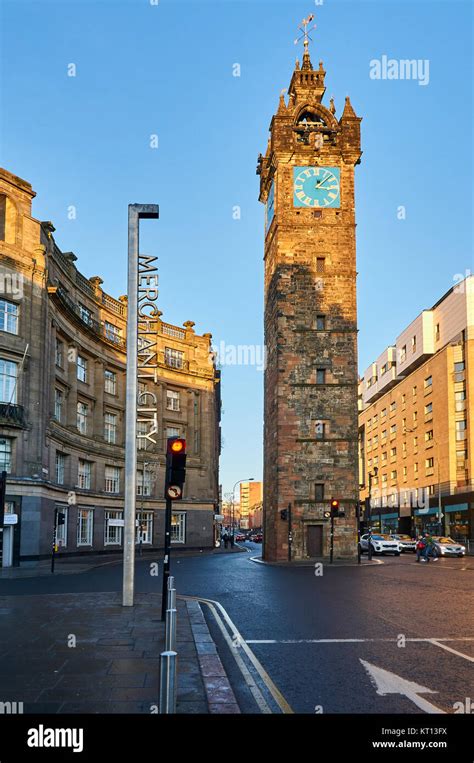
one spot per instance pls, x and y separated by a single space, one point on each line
305 36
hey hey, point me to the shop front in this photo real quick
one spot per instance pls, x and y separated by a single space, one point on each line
457 522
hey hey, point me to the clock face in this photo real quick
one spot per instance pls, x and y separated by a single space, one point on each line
270 207
316 187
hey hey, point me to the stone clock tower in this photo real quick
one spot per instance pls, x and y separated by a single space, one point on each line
310 437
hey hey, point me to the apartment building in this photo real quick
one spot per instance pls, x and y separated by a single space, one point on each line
62 404
251 493
416 438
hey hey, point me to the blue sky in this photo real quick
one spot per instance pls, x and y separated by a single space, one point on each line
166 69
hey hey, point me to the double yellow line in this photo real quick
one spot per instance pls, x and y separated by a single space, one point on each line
237 643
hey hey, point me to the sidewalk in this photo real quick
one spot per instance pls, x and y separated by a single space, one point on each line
72 565
85 653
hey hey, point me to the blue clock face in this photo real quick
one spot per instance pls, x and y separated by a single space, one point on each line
270 207
316 187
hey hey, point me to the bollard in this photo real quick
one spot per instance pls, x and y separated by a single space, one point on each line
170 638
172 598
170 582
168 666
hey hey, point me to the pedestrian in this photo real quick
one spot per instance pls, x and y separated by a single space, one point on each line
430 549
225 538
420 547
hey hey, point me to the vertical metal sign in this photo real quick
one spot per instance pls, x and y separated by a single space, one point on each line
137 309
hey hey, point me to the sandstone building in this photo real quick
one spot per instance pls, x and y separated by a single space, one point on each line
310 430
250 495
62 403
415 422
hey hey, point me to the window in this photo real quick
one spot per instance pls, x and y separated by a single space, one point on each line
112 531
404 424
428 381
404 399
172 400
82 414
85 314
172 431
376 440
393 474
321 322
415 416
320 430
393 406
415 443
415 467
374 420
384 479
429 463
404 471
460 398
413 391
460 366
403 354
393 452
384 456
428 435
58 404
112 479
110 428
376 460
144 488
8 316
369 443
404 448
110 382
145 527
85 523
84 474
428 408
437 332
5 454
174 358
59 353
142 430
8 379
60 467
320 376
112 332
61 529
178 527
461 458
319 491
431 490
461 427
413 343
383 413
81 368
320 264
393 429
384 434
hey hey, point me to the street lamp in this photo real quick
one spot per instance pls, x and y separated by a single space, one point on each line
369 513
440 513
250 479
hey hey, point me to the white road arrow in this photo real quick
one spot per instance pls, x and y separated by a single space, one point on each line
389 683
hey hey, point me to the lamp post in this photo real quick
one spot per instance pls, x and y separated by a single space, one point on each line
369 513
250 479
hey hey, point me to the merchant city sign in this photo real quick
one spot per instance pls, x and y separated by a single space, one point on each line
147 351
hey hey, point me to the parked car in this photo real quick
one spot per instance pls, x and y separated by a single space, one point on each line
381 544
240 537
446 546
256 537
406 543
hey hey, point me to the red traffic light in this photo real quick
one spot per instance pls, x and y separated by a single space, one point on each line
176 445
334 503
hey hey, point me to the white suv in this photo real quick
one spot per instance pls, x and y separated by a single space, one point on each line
381 544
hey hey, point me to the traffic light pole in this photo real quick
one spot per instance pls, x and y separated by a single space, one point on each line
331 550
53 550
290 533
166 560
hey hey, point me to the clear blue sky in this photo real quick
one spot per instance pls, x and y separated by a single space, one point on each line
166 69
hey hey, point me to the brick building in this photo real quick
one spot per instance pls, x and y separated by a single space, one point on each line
62 403
310 410
416 437
250 495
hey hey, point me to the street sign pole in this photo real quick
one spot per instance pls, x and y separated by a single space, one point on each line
167 560
53 550
331 552
290 532
136 212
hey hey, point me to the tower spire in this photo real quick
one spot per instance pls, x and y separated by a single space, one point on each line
305 36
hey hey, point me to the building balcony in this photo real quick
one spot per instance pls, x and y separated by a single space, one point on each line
12 415
86 322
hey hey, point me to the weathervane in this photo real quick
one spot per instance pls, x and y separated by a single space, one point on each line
305 32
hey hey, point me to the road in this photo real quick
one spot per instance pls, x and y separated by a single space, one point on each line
318 637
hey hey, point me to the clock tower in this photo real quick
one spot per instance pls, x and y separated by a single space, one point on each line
311 378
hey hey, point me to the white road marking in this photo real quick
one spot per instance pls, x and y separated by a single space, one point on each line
436 642
389 683
356 640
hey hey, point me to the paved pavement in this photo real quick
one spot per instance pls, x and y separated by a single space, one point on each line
85 653
329 643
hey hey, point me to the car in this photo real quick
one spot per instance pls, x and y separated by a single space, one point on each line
446 546
256 537
381 544
406 542
240 537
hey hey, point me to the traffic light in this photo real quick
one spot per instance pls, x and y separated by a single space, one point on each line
334 507
284 514
175 468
